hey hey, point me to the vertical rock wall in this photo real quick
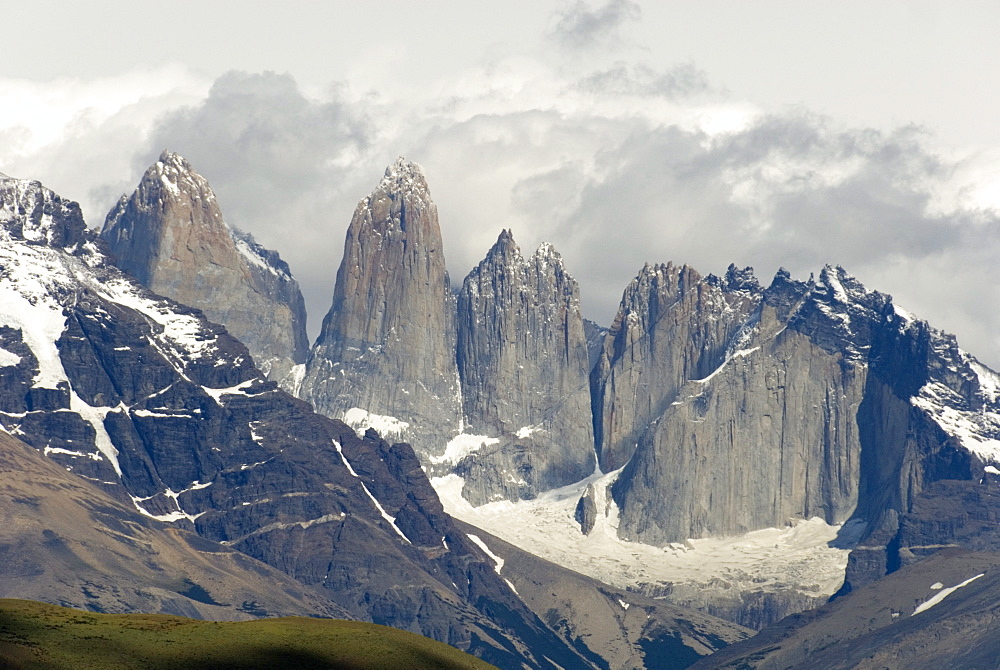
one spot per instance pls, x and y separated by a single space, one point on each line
385 357
522 360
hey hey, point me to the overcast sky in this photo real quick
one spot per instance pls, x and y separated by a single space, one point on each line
758 133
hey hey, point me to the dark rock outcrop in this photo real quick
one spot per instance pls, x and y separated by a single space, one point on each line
65 541
522 360
938 613
170 234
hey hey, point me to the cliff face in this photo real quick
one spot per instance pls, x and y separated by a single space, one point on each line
767 436
523 364
386 354
672 326
805 399
170 234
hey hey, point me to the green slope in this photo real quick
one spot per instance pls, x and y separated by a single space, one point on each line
37 635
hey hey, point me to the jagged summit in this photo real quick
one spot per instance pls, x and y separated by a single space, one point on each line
171 235
523 363
166 412
404 179
32 212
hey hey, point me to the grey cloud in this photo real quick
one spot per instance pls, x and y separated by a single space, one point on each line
668 195
578 26
680 81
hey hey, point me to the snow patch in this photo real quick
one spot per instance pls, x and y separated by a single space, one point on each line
942 594
462 445
386 426
239 389
974 430
185 331
378 505
498 562
798 557
526 431
8 359
95 417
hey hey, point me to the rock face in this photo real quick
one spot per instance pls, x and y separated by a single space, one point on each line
167 414
386 354
804 399
522 360
673 326
170 234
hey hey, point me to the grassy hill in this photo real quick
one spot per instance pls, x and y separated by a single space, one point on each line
37 635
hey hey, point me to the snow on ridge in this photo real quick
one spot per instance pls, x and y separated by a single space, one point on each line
385 515
239 389
251 254
31 274
498 562
989 381
975 431
942 594
187 332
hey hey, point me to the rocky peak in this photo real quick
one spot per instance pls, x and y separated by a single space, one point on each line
741 280
523 363
171 235
386 352
165 411
33 213
404 178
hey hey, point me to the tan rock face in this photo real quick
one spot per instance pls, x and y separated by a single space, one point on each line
522 359
387 345
170 234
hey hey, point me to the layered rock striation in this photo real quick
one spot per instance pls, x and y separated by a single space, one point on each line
170 234
385 356
523 363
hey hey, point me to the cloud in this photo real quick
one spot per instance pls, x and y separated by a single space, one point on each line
78 135
611 189
615 165
579 27
625 79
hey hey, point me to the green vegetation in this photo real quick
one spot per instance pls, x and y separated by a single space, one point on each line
36 635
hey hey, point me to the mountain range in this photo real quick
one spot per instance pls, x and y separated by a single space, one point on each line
744 450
